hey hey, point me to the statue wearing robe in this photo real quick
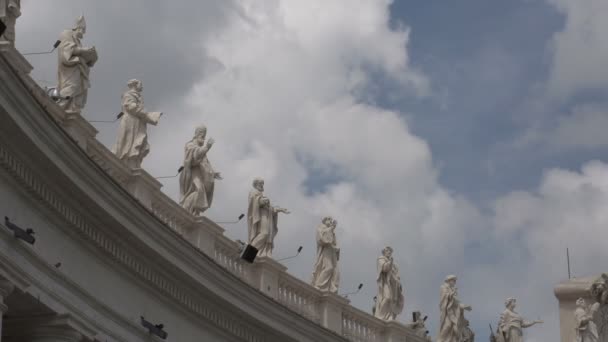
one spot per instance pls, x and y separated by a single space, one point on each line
197 179
262 220
132 141
451 312
10 10
74 65
467 334
511 324
326 276
390 292
586 329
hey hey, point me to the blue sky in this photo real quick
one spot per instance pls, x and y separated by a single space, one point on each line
468 135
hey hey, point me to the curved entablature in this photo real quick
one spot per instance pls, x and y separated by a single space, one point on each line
161 261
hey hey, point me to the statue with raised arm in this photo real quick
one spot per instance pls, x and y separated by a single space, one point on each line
132 141
262 220
197 179
75 62
451 312
325 275
586 329
10 10
390 292
511 325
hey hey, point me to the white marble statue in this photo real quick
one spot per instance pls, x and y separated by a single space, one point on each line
197 179
511 325
262 219
451 317
586 330
467 334
132 141
10 10
325 275
75 62
390 292
419 326
599 289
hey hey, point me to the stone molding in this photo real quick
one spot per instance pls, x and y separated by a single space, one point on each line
267 276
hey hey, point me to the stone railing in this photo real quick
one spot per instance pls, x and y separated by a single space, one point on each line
360 326
299 296
267 275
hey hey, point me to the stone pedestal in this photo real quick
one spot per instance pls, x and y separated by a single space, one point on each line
142 186
79 129
567 293
204 234
264 274
330 311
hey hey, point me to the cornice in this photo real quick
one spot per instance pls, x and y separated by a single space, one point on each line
165 260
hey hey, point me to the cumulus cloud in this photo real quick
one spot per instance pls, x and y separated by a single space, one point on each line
583 128
284 88
580 49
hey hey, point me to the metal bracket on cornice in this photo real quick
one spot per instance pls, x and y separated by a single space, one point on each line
345 295
118 116
232 222
154 329
26 235
44 52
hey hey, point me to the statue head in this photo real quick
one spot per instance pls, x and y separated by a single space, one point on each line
327 220
135 84
510 303
258 183
451 279
387 251
580 302
80 28
200 133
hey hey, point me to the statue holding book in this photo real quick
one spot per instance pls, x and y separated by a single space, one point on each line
74 64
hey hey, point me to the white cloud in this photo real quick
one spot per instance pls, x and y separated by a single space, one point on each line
583 128
285 95
285 103
580 50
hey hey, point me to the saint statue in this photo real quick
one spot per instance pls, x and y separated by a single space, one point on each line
196 182
451 312
467 334
586 330
326 276
75 62
599 289
132 140
10 10
390 292
419 327
511 325
262 219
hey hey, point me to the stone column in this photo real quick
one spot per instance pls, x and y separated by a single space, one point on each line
6 288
